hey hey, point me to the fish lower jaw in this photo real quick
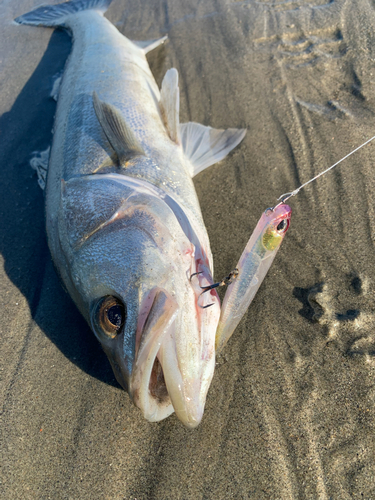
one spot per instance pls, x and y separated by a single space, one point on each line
151 396
162 392
187 394
170 374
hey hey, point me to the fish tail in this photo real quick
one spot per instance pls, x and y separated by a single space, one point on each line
55 15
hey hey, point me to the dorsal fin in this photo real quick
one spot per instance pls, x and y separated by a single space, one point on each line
117 131
170 103
205 146
148 45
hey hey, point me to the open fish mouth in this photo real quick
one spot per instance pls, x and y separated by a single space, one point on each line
157 385
147 387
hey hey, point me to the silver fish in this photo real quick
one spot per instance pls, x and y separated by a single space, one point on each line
123 220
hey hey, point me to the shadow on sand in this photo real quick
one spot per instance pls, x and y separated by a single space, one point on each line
27 127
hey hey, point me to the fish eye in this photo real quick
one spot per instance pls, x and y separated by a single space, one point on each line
282 226
110 315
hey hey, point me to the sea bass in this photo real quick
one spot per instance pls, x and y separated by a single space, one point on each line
123 220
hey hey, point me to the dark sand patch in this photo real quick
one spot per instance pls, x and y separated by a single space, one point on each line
290 413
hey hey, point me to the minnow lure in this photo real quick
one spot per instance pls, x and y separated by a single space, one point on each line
252 267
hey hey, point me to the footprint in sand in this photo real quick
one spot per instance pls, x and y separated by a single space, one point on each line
344 306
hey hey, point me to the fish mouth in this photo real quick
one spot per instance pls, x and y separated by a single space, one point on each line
147 386
157 385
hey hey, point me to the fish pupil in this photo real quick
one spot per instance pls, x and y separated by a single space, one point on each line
115 315
281 225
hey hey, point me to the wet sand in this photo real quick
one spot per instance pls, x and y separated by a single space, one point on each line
290 413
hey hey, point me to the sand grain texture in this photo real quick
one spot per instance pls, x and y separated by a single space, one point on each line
290 413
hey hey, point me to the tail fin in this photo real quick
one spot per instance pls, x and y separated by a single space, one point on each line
55 15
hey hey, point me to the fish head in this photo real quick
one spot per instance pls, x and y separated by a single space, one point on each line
130 264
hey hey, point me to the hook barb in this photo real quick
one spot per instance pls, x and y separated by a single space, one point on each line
225 281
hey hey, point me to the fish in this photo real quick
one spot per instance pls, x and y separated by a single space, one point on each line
123 221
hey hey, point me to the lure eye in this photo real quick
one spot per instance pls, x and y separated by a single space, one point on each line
282 226
110 315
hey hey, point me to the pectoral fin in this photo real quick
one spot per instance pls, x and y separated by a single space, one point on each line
117 131
39 163
205 146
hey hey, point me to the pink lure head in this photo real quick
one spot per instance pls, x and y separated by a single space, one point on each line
276 223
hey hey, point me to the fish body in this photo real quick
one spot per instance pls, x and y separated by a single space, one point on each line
123 221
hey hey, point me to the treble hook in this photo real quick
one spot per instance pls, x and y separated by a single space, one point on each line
225 281
195 274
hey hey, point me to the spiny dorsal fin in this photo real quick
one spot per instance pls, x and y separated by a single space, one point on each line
205 146
148 45
170 103
118 133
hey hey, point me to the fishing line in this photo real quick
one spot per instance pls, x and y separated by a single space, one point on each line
286 196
